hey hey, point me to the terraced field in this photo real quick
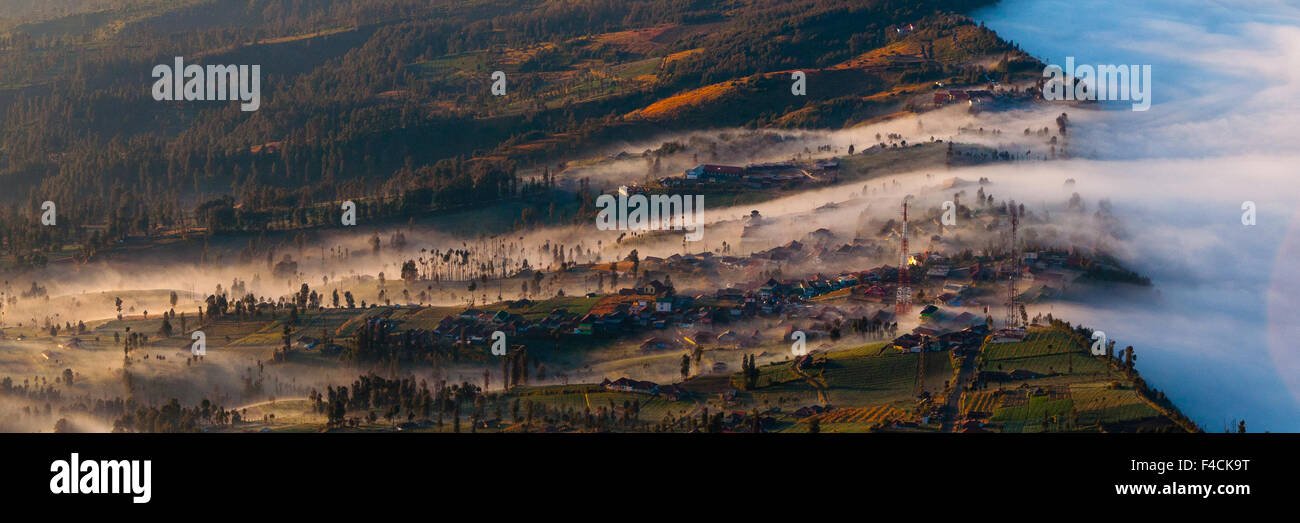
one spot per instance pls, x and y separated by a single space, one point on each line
1075 392
979 402
849 420
874 414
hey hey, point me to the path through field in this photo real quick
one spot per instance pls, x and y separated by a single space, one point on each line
821 389
952 406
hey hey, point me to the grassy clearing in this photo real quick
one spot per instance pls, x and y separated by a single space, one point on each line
469 62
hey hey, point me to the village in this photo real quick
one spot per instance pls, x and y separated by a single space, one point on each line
954 303
758 176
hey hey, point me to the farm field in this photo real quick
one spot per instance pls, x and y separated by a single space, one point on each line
859 386
1082 408
854 379
1075 391
979 402
862 387
1101 405
1031 414
861 415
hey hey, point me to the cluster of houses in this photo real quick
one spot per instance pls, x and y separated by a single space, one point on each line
669 392
957 335
969 96
818 247
652 305
759 175
1044 273
704 318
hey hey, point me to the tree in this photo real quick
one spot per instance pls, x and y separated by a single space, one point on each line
409 272
749 370
337 409
635 258
166 329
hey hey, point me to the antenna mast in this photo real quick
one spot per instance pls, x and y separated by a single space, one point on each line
903 297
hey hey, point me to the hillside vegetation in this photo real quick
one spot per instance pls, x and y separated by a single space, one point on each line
387 102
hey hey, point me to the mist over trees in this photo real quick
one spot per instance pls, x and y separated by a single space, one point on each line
357 104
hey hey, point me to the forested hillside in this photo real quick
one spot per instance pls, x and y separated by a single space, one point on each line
387 102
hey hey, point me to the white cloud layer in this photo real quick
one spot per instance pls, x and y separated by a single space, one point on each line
1222 130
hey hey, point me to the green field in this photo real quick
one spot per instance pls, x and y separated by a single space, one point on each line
1044 352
